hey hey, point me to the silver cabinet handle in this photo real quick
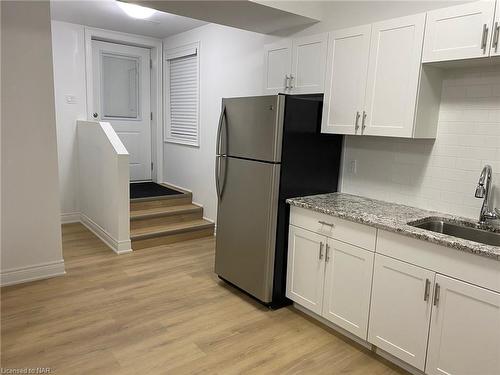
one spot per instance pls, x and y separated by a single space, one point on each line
484 37
436 294
356 123
287 78
327 255
291 80
320 251
325 223
363 126
427 289
495 36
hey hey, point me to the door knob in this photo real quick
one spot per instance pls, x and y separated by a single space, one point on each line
95 115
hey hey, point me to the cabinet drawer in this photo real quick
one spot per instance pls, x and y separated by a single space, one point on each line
342 230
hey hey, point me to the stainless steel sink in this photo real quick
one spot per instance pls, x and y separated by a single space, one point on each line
467 231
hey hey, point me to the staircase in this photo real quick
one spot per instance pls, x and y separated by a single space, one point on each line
167 219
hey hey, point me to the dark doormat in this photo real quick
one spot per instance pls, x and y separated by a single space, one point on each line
150 189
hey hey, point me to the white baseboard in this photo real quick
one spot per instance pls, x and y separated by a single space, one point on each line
360 341
177 187
71 217
119 247
31 273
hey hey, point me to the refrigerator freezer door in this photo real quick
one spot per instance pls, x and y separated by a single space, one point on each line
252 127
246 225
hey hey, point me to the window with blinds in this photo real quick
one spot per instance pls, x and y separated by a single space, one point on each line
182 94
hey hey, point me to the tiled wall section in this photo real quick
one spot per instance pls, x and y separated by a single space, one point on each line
436 174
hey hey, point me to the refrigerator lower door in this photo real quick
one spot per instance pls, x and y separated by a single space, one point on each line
246 225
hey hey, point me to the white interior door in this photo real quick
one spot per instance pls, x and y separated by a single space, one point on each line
121 96
348 52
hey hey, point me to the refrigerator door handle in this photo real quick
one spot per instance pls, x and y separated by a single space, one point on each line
219 129
217 172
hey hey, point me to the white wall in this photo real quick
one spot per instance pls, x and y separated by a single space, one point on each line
441 174
231 64
103 162
31 232
68 50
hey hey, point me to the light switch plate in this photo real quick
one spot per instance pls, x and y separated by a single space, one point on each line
70 99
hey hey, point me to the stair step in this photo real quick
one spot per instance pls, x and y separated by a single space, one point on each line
163 234
140 204
164 215
161 211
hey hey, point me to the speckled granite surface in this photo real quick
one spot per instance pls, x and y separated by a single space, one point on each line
392 217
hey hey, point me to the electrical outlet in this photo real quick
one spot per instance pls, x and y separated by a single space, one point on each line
353 168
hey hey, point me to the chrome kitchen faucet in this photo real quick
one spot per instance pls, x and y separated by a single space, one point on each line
483 190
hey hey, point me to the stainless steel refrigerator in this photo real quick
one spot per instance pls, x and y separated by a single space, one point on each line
269 148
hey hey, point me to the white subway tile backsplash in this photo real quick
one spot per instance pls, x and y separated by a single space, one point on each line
438 174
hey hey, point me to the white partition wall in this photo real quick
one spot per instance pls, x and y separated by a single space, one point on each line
104 184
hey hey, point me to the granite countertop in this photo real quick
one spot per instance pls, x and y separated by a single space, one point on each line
392 217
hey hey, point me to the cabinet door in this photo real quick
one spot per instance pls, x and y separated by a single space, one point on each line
459 32
306 268
348 282
465 330
345 81
400 309
495 43
308 64
393 76
277 66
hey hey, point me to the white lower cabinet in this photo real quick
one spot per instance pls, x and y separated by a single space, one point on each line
306 268
465 330
401 309
330 278
391 291
348 280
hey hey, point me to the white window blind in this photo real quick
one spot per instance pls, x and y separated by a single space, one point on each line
182 89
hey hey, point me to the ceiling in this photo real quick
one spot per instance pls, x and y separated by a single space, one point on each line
105 14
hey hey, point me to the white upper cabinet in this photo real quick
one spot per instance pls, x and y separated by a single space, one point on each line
401 309
306 268
277 67
459 32
495 43
465 330
308 64
375 83
393 76
347 64
348 283
295 66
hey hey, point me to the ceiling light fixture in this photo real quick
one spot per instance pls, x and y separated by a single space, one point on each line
136 11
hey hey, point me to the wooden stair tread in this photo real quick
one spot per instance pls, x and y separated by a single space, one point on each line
164 211
161 197
171 228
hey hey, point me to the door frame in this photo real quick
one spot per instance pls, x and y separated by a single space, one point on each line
155 45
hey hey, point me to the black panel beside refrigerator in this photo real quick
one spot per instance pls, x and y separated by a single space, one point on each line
310 164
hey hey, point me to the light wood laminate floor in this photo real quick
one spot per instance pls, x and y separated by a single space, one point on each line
161 311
